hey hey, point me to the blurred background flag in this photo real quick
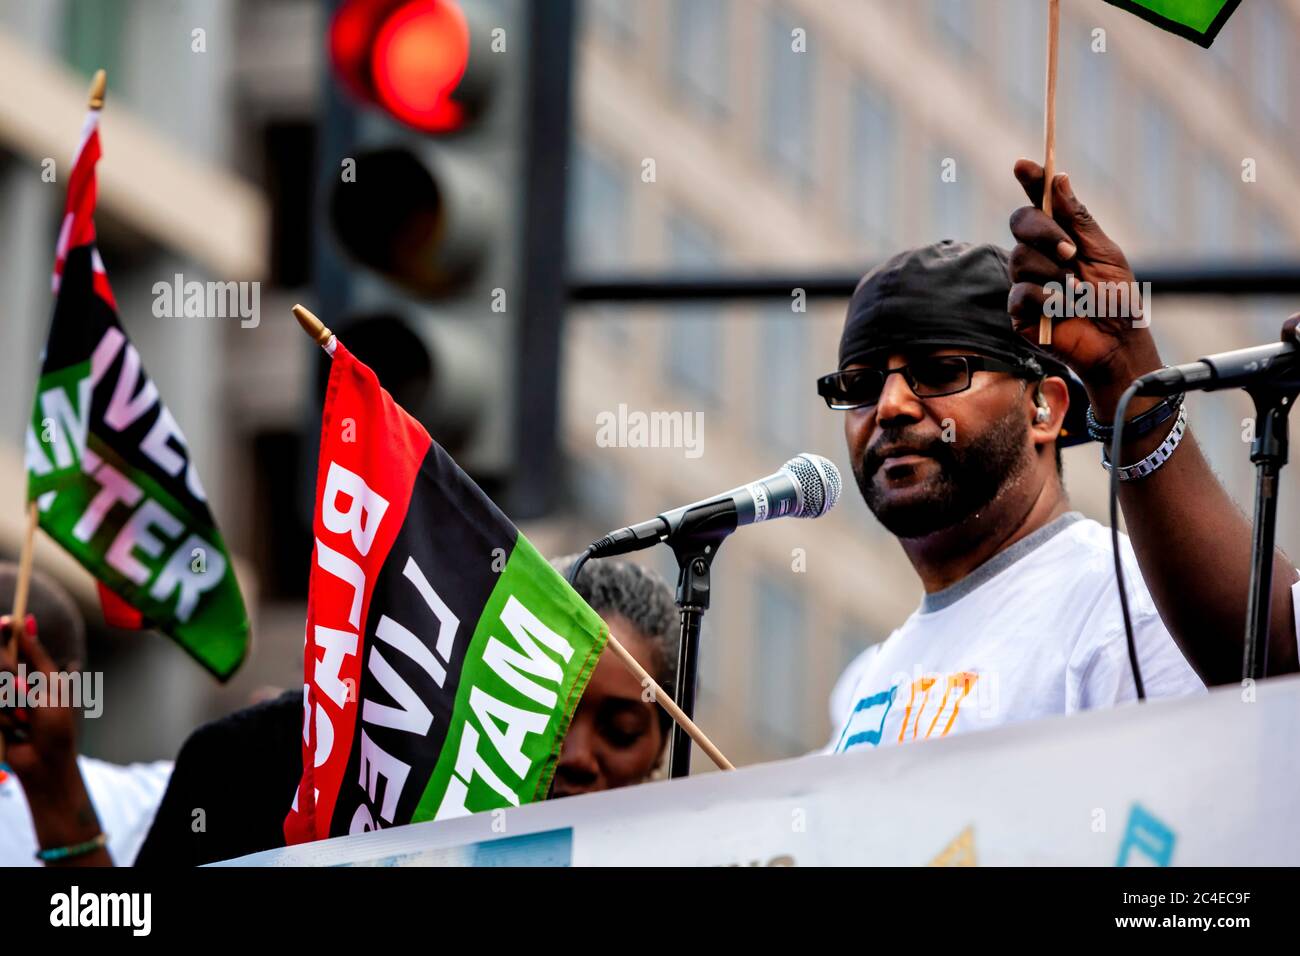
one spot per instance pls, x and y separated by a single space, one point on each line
107 465
445 656
1197 20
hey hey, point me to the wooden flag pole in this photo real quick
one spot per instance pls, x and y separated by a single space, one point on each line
322 336
22 587
670 705
1049 133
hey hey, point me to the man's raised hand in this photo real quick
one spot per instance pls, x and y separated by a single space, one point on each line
1106 351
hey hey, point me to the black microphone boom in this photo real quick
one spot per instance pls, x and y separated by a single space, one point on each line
1270 374
807 486
1275 364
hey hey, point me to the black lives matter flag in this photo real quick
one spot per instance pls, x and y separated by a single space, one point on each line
108 466
445 657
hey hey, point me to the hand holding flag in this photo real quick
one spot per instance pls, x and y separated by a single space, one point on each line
1107 351
1197 20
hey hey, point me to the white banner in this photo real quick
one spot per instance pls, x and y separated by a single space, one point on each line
1212 780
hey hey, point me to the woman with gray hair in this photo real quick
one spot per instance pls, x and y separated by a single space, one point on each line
618 734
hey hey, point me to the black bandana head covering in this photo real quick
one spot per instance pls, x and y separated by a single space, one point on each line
950 295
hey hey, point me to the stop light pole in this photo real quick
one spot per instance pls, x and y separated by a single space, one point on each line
547 144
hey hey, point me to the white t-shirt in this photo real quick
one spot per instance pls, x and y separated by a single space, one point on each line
1035 630
126 799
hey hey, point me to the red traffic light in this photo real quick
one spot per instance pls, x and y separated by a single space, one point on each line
407 56
419 59
351 37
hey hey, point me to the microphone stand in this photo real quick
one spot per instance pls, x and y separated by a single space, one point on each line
1269 453
695 544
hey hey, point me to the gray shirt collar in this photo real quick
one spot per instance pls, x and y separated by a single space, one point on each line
995 565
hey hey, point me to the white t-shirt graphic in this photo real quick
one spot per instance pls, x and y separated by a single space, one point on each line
1036 630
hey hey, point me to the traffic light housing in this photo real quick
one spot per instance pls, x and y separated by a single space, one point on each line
446 142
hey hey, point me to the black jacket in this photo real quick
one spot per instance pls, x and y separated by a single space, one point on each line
231 788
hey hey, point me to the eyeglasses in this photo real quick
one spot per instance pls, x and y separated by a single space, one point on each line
930 377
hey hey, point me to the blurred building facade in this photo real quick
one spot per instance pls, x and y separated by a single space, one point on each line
710 134
743 134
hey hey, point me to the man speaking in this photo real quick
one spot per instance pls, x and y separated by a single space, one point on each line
953 422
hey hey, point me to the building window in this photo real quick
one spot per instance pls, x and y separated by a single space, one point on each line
1090 129
778 669
1273 35
699 52
788 125
781 381
93 35
955 21
872 181
616 19
1024 53
1215 203
694 331
1271 239
599 199
1157 197
951 199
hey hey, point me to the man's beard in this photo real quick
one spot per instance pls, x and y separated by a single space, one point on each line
971 474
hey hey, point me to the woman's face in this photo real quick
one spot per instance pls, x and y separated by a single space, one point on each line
615 738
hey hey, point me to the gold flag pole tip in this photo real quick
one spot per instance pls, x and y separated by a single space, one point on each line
314 327
97 87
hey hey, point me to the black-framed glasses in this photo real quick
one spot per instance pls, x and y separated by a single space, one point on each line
930 377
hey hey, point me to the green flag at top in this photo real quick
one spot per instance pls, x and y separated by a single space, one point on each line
1197 20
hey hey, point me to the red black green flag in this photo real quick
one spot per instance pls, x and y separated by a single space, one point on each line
445 657
108 466
1197 20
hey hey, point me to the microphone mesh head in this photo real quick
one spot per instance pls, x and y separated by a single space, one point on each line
820 482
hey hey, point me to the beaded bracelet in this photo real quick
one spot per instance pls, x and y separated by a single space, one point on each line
77 849
1143 424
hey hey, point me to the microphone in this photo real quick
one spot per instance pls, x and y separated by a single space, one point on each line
807 486
1238 369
